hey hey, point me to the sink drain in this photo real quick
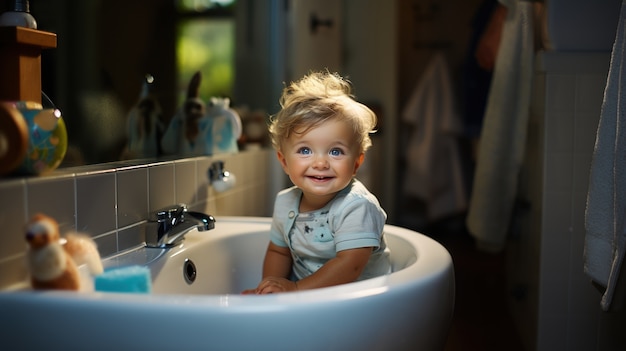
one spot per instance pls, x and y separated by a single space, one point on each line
189 271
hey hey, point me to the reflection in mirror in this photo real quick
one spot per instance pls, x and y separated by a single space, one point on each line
197 130
106 50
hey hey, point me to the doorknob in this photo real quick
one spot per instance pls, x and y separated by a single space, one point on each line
316 22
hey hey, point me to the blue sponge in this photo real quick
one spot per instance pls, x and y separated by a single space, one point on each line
131 279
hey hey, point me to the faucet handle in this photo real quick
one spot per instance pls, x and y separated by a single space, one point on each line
173 213
168 226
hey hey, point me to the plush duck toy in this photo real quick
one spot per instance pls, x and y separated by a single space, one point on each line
54 260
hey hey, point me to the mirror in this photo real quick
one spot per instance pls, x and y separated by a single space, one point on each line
105 49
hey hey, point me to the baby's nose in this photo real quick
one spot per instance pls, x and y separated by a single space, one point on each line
321 162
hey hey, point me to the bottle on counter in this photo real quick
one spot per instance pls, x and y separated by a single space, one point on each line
19 17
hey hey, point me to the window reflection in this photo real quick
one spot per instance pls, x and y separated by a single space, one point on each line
205 42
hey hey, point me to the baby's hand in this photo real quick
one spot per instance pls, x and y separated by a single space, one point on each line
272 285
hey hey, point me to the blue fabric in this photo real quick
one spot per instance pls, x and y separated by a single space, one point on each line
353 219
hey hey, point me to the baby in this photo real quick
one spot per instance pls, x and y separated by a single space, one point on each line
328 228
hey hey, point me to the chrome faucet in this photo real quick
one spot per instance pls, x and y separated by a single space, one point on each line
167 227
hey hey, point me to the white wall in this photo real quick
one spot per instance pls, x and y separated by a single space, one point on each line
370 61
556 307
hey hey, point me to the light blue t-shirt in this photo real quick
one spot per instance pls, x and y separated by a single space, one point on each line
352 219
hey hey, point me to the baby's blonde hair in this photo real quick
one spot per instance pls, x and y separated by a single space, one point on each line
316 98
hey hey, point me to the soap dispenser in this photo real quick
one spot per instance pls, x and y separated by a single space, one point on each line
225 126
19 17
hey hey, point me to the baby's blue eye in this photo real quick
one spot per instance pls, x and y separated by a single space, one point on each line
336 152
304 151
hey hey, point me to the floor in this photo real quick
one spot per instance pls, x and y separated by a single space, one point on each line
481 320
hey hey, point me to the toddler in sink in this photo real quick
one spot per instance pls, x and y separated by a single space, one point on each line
328 228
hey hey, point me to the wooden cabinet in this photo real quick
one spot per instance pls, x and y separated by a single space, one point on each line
20 62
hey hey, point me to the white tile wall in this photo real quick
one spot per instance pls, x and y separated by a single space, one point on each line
132 195
96 202
110 202
566 315
161 186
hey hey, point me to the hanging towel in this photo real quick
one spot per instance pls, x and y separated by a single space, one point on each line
434 171
605 238
503 136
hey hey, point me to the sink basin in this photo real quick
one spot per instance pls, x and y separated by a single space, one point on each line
196 301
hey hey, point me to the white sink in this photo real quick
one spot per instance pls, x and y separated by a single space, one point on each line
408 309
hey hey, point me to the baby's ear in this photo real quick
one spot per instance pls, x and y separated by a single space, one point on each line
282 160
358 162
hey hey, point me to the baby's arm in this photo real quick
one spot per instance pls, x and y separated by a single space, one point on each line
344 268
276 266
277 261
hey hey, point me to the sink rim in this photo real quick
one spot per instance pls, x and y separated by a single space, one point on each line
433 260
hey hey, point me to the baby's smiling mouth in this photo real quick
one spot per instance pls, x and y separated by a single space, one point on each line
319 177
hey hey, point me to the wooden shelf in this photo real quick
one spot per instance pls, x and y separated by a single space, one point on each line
20 62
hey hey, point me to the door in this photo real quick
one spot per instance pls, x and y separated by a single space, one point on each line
314 36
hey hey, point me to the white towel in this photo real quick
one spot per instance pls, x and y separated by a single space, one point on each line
503 136
434 171
605 239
